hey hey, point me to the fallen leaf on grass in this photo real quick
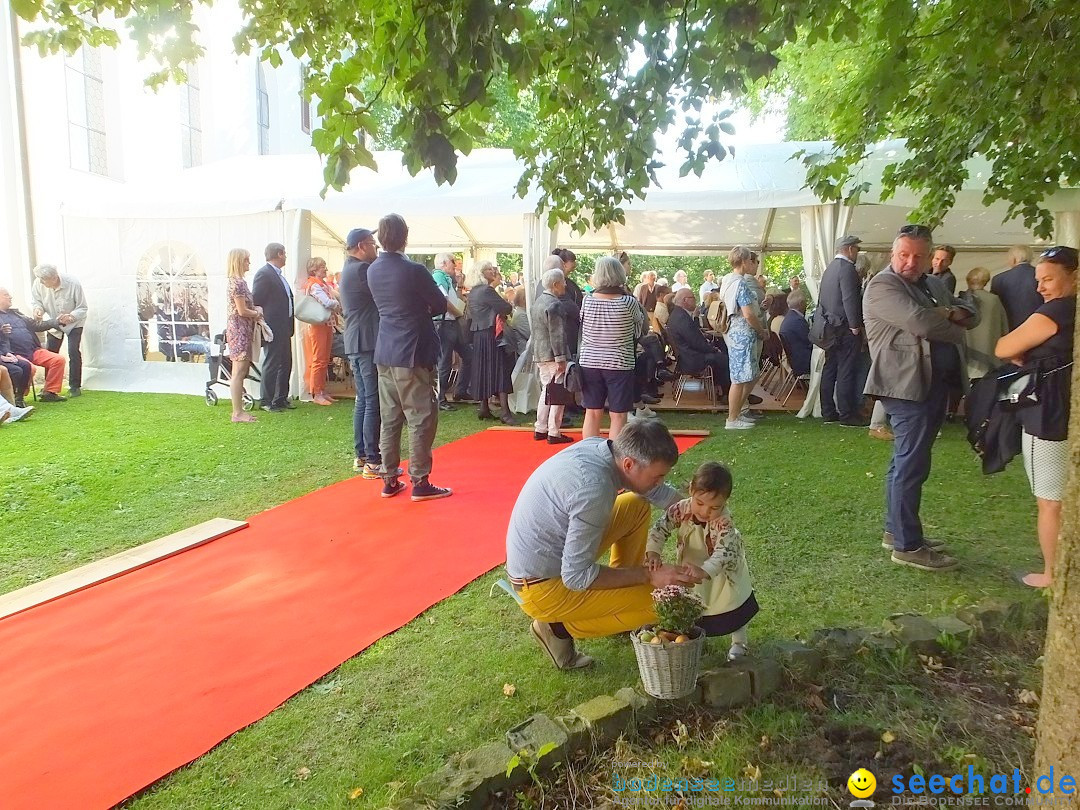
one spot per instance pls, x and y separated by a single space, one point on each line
752 772
509 689
816 703
764 741
869 475
1027 697
302 774
888 737
692 766
356 793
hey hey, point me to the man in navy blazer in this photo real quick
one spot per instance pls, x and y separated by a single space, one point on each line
1017 288
271 291
840 302
361 332
795 333
406 354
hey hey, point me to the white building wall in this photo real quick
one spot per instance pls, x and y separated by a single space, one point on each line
143 130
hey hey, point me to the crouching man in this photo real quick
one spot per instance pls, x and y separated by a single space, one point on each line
568 514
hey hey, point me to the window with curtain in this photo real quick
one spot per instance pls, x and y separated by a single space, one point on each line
86 111
191 120
172 297
262 101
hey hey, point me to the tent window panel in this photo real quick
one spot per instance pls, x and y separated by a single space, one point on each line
172 298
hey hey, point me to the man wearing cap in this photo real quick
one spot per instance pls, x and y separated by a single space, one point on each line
840 303
361 330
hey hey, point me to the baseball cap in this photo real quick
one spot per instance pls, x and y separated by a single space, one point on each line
356 236
847 241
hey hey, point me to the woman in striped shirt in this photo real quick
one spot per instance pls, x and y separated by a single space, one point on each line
612 321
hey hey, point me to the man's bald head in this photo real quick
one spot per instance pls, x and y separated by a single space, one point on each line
684 298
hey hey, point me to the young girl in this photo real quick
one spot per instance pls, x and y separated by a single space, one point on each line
709 543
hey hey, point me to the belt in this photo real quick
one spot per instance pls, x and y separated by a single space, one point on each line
521 583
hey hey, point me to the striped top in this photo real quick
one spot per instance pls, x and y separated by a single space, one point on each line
610 328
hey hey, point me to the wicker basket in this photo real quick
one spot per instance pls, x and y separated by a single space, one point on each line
669 670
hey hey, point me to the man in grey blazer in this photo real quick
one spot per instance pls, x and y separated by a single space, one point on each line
915 330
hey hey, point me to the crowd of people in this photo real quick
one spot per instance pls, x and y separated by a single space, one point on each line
58 310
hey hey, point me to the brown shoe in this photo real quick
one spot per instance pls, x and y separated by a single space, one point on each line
925 559
562 651
887 542
884 434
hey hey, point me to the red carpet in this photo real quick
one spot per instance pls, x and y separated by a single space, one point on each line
108 689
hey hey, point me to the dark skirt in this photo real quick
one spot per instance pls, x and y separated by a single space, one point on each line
723 624
492 366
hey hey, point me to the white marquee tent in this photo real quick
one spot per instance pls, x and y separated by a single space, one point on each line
178 232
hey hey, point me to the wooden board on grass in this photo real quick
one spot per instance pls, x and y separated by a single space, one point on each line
686 432
116 565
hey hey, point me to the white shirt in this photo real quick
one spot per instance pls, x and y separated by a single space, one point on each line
705 289
677 286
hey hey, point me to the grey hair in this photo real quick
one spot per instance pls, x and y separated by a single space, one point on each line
552 263
1020 253
796 299
608 272
680 273
683 294
646 441
443 257
46 272
273 249
739 256
862 263
551 278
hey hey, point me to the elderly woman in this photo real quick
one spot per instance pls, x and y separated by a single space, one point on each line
981 341
612 322
239 328
491 366
1046 338
680 281
745 332
318 337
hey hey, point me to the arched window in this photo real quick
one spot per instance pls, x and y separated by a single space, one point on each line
172 299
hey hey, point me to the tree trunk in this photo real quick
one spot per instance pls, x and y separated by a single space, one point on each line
1059 716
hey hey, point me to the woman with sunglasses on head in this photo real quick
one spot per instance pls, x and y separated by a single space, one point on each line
1046 337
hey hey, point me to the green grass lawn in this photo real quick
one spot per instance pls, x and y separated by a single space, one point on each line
105 472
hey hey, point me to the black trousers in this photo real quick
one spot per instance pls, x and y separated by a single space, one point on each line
277 367
451 340
840 397
74 342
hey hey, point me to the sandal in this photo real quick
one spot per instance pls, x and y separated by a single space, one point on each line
244 417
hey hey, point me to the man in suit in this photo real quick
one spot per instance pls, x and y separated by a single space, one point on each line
840 299
361 331
942 261
406 354
795 333
271 291
915 330
1016 287
694 351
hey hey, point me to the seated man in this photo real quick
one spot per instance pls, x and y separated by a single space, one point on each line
568 514
693 348
18 337
795 334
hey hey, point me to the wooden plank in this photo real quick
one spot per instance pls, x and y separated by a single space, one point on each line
523 428
117 565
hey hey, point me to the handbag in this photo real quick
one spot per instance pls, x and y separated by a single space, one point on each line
822 333
556 393
309 310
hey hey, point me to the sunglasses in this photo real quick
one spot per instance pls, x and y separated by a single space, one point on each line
1070 255
916 232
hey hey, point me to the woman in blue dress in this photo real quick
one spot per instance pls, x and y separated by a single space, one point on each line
744 334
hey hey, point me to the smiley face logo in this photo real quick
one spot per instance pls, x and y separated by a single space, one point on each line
862 784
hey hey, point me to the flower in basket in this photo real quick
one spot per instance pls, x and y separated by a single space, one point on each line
677 609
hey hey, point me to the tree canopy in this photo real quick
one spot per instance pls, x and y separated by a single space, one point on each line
953 77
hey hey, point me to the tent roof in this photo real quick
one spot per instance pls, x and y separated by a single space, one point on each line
751 198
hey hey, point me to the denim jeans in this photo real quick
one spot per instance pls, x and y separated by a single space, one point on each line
366 422
450 341
915 426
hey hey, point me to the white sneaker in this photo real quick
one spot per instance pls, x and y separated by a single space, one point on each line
737 651
738 424
645 412
20 413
